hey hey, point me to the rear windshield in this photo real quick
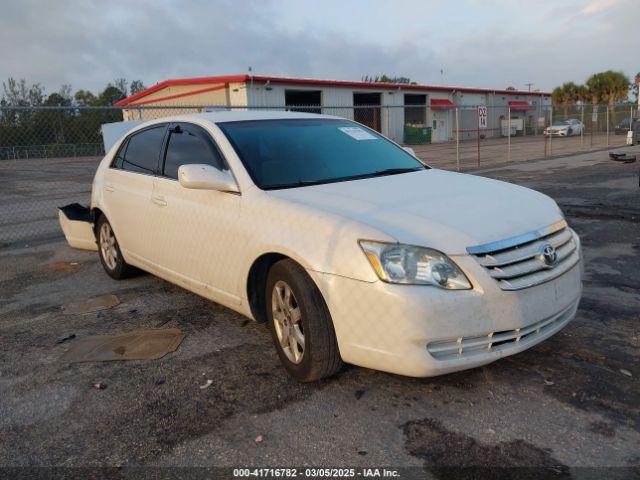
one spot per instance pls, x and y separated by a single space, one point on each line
298 152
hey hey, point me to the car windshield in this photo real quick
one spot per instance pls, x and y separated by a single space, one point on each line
560 123
298 152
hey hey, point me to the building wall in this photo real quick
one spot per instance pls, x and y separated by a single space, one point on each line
338 101
210 98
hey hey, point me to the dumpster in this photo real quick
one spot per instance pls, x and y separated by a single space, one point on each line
417 134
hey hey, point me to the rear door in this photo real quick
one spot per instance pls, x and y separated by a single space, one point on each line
195 239
129 188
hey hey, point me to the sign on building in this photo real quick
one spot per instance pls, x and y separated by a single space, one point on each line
482 117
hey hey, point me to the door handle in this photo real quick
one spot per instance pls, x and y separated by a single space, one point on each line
159 200
108 188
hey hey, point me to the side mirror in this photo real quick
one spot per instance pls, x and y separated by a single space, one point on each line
206 177
409 150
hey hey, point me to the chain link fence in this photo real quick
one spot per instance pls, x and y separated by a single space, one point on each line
48 155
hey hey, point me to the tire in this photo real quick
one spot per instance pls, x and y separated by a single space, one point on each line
569 132
110 254
319 356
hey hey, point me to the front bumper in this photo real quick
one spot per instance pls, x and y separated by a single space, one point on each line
393 327
556 133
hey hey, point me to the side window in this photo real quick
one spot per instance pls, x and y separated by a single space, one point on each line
190 144
143 150
119 156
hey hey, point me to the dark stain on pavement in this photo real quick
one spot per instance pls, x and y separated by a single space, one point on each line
448 454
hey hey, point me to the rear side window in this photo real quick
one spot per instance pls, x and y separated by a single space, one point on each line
189 144
143 151
119 157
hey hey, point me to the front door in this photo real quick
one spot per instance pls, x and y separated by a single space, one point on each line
441 126
195 239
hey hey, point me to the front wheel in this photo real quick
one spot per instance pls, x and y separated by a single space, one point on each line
110 254
300 323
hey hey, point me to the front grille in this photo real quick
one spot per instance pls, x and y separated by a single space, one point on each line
519 262
463 347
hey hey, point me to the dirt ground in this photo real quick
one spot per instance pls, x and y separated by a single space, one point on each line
570 404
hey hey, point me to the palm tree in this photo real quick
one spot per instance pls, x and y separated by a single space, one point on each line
608 87
565 95
635 86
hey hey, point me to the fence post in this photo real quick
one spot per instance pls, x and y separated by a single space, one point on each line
608 107
582 129
509 135
388 133
593 126
457 139
550 131
478 125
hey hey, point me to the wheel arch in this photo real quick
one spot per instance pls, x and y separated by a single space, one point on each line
256 281
95 215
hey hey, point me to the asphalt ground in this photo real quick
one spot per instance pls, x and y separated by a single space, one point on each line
570 405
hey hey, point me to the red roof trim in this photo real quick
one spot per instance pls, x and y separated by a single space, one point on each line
178 95
520 105
441 104
180 81
312 81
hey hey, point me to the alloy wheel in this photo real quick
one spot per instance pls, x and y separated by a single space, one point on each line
287 321
108 246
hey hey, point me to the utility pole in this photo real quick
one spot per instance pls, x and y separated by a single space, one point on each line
529 85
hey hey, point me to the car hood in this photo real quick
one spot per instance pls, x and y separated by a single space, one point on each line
433 208
556 128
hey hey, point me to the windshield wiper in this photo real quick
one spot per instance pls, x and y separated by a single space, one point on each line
391 171
379 173
299 183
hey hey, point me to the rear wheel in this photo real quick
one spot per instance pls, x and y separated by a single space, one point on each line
300 323
110 254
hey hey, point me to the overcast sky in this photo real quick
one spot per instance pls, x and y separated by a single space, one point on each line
484 43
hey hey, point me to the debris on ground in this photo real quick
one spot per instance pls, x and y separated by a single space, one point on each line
94 304
99 386
622 157
206 385
68 337
548 382
163 322
259 439
134 345
62 266
626 372
359 394
162 381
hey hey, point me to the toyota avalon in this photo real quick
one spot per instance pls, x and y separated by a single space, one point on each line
342 241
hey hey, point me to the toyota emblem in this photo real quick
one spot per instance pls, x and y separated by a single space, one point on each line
548 256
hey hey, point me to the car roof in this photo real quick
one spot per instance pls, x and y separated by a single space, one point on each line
220 116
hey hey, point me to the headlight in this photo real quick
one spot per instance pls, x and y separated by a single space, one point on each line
406 264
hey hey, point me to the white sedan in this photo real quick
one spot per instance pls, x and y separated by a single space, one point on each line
349 247
565 128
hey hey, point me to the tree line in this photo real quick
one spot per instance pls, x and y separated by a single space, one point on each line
607 88
20 93
20 127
